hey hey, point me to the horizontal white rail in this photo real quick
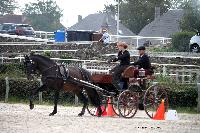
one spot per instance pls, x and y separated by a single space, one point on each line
53 50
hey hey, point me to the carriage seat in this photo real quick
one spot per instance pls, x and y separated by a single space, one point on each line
133 72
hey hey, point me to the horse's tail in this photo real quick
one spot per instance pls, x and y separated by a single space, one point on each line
91 92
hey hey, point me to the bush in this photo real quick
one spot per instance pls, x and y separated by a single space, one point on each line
180 95
180 41
12 70
21 88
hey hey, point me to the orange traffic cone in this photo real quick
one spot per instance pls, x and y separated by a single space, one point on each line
160 113
110 111
104 113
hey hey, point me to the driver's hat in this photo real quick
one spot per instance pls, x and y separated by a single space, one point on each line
141 48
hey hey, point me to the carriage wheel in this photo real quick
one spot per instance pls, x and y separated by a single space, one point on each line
127 104
93 110
152 99
114 105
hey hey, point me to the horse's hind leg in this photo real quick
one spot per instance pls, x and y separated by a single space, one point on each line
33 93
56 97
82 98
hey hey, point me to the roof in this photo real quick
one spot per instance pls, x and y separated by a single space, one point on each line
97 21
12 19
165 25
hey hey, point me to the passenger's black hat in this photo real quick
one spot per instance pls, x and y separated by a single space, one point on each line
141 48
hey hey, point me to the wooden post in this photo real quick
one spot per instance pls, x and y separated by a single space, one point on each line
76 100
164 70
40 93
177 75
183 75
198 104
7 89
2 59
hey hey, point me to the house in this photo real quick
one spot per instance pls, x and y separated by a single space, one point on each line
97 21
165 25
12 18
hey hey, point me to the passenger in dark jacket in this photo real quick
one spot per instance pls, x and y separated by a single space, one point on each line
124 59
143 61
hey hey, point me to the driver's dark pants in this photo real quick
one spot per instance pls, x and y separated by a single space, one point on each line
116 75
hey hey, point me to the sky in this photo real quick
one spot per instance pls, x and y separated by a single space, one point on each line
73 8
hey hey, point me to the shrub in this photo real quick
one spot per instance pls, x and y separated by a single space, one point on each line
180 41
12 70
21 88
180 95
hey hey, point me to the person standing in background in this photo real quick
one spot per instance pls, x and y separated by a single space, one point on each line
105 39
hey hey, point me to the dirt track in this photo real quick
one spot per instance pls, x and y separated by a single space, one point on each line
17 118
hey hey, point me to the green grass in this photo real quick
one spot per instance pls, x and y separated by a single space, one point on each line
16 100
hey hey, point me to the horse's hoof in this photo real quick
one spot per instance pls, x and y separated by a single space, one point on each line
31 106
80 114
51 114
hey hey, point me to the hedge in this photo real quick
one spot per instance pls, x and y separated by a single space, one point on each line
21 88
183 95
180 41
180 95
12 70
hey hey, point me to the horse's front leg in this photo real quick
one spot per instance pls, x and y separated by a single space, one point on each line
33 93
56 97
82 98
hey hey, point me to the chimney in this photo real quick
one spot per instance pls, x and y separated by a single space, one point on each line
157 12
80 18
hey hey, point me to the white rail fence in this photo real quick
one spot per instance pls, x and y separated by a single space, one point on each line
138 40
180 73
42 36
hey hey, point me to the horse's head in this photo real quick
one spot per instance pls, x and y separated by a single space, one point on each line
30 67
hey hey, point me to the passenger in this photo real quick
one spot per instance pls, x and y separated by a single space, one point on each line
124 58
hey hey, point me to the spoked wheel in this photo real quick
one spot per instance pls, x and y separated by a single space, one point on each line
127 104
93 110
152 99
114 105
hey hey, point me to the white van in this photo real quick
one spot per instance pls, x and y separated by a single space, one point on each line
195 43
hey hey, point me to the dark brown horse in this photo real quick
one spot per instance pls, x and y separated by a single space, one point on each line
52 79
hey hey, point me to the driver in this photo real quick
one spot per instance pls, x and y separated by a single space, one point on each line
124 59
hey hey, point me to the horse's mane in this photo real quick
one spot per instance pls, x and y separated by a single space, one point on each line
42 57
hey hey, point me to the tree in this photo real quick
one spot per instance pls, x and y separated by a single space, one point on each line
135 14
191 17
44 15
7 6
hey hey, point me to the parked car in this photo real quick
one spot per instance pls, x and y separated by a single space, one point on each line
195 43
17 29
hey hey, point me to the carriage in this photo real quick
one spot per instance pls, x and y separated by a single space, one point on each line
137 91
136 87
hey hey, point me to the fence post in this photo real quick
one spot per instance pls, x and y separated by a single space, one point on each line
198 101
7 89
164 70
2 59
20 58
40 93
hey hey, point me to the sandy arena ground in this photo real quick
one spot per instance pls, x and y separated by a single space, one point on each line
17 118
